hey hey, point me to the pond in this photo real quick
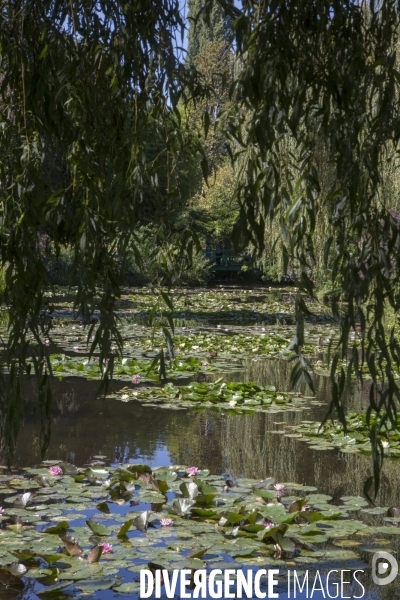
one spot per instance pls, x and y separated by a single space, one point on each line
224 443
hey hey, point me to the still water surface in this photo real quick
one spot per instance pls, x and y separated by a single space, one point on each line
243 445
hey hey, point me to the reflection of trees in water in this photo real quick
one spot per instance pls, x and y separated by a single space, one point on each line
196 440
67 402
83 426
253 452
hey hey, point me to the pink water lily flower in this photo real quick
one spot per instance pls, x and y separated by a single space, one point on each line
135 378
192 471
305 507
204 363
1 510
107 548
166 522
268 524
279 487
56 471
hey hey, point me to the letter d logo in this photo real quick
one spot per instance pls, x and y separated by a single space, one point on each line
379 569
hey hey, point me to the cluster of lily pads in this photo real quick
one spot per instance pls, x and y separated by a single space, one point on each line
356 439
94 528
135 370
235 397
233 305
230 305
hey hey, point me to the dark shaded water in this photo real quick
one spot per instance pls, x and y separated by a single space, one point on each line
243 445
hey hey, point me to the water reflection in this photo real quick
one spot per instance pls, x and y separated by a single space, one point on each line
243 445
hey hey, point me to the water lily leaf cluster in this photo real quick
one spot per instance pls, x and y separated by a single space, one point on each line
126 369
235 397
96 527
230 306
355 440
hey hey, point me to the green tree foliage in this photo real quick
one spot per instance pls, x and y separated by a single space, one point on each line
216 27
211 208
82 84
313 70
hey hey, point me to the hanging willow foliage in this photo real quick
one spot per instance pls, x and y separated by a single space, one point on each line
84 85
325 70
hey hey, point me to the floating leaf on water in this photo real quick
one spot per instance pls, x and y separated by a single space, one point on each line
71 545
139 469
265 494
197 553
94 475
22 500
103 507
94 585
376 510
388 530
267 532
161 485
42 481
68 468
56 587
203 512
125 528
95 554
141 521
60 528
182 506
127 588
98 528
188 563
285 543
16 569
297 505
189 490
264 484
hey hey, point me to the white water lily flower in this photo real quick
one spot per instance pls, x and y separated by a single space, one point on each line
385 444
232 403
